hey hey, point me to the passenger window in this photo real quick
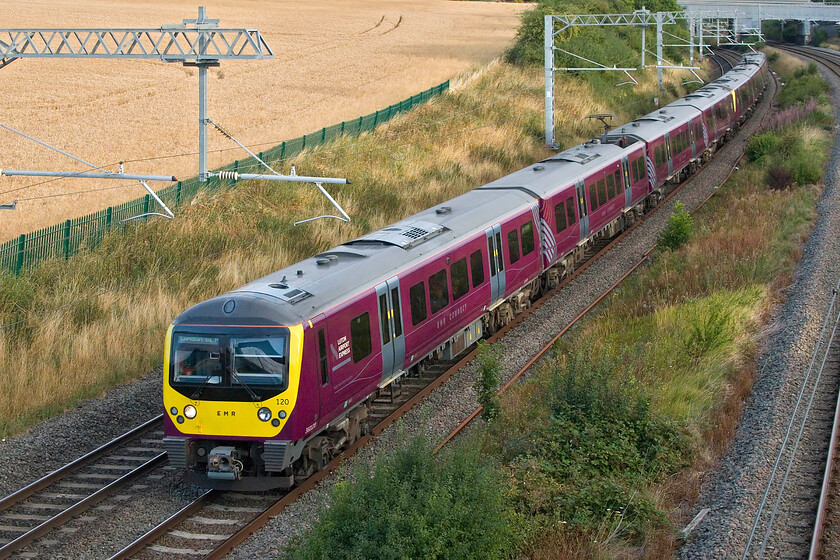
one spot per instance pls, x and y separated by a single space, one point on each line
417 298
477 268
642 168
570 211
395 299
513 246
360 337
438 291
322 352
593 200
634 166
618 188
602 193
610 187
383 318
527 231
559 217
460 282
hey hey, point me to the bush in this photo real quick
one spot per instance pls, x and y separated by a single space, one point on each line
489 376
593 449
779 178
760 145
678 231
774 57
416 506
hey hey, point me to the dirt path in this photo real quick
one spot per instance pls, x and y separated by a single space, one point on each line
334 60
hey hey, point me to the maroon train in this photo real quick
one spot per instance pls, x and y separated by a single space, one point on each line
264 384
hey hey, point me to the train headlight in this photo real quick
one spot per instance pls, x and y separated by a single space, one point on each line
189 411
264 414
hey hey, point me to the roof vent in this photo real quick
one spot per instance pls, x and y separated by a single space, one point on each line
405 236
538 168
326 259
443 210
279 286
294 295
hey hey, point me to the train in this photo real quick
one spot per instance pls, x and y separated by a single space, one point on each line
264 384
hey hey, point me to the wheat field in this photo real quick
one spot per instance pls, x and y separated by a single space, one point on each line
334 60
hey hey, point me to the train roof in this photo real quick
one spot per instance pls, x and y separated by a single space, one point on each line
562 169
654 125
303 290
714 91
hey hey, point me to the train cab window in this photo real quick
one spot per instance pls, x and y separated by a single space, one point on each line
322 353
395 299
477 268
460 281
570 211
417 298
360 337
593 200
259 361
438 291
560 216
197 359
611 186
602 193
383 319
527 231
513 246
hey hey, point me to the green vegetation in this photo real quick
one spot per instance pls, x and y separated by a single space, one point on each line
805 84
678 230
416 505
489 376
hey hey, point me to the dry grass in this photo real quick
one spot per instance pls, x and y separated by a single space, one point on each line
787 64
332 63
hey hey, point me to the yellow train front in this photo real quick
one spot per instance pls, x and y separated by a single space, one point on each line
232 394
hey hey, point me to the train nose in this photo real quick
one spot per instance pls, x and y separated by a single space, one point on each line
223 463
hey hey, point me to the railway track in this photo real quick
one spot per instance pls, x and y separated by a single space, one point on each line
49 503
799 514
202 529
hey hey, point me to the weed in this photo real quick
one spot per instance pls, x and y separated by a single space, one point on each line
489 376
678 230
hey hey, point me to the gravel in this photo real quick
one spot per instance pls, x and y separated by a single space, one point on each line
734 490
119 521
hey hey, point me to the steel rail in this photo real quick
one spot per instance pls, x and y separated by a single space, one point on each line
70 468
162 528
79 507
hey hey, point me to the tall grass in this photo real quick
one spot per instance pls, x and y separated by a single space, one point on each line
71 329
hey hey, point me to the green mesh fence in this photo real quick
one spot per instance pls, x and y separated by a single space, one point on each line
86 232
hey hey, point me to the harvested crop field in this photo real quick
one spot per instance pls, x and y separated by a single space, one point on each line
334 60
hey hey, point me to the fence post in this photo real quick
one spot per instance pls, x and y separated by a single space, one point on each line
302 146
146 204
21 244
342 127
108 213
375 119
282 149
178 194
67 239
323 135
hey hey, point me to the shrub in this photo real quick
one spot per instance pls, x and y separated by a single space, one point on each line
761 145
779 178
774 56
706 333
678 230
489 376
416 505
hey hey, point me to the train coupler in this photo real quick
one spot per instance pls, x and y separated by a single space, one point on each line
224 464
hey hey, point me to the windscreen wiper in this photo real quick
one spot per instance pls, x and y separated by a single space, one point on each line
202 386
251 392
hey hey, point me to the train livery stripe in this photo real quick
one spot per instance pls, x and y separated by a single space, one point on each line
651 171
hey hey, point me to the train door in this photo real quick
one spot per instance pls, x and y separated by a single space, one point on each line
584 215
391 327
497 263
692 132
319 325
628 187
668 154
